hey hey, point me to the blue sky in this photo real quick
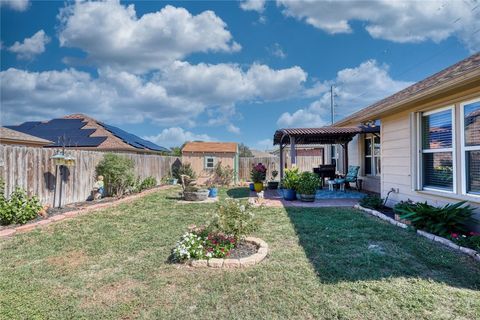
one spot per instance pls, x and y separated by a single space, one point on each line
221 70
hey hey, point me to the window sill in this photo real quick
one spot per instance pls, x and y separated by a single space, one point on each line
450 195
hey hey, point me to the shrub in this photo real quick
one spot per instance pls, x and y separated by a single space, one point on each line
403 205
117 172
308 183
372 202
19 208
291 179
183 169
258 173
148 183
452 218
234 218
223 175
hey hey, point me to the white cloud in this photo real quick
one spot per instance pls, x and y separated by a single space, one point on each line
265 144
176 136
253 5
233 129
30 47
17 5
179 94
112 35
277 51
355 88
398 21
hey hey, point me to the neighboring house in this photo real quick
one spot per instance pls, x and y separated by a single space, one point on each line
428 147
261 154
13 137
79 131
203 156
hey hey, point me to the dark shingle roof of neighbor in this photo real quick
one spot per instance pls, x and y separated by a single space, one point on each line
10 135
465 70
71 133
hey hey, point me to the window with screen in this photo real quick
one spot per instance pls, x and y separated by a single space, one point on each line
209 162
372 155
471 147
437 149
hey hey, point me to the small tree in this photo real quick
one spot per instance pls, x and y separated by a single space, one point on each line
183 169
244 151
117 172
223 174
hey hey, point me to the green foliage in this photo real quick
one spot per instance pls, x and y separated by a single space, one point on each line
291 179
176 151
452 218
183 169
371 201
148 183
308 183
403 205
19 208
117 172
234 218
244 151
470 240
223 175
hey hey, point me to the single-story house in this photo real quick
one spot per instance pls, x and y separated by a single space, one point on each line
421 143
13 137
204 156
78 131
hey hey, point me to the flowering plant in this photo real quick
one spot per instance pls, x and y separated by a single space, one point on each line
199 243
469 240
258 173
235 218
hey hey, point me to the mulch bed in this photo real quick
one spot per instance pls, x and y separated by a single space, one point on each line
243 250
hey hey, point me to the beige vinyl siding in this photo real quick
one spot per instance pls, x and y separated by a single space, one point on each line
197 161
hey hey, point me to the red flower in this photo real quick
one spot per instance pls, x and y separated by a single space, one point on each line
454 235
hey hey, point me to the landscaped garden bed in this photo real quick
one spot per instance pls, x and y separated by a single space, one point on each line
323 263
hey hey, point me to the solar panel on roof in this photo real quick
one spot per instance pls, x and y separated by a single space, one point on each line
133 140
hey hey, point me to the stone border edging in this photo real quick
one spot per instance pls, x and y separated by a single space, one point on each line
448 243
236 263
5 233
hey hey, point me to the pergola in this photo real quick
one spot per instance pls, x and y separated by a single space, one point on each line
305 136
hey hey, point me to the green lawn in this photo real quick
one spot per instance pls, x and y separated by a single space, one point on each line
113 264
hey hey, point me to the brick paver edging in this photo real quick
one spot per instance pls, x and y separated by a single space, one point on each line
71 214
236 263
448 243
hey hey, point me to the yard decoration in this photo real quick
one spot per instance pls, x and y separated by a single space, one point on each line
258 175
308 184
190 191
98 189
290 184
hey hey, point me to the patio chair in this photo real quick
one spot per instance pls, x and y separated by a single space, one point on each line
352 175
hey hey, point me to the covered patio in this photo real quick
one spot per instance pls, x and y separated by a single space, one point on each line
305 136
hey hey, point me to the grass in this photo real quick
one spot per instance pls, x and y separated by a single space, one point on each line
113 265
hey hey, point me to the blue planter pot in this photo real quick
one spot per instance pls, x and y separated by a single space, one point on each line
252 187
289 194
213 192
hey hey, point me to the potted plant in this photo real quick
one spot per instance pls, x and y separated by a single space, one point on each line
251 186
290 184
213 191
258 175
272 184
307 186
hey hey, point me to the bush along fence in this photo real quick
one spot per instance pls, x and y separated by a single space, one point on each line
33 169
446 242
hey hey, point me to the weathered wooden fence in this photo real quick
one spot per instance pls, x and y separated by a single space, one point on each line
304 163
33 170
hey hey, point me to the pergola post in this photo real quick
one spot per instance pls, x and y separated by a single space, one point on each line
293 152
281 160
345 157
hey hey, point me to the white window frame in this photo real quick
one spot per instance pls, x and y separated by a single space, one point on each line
206 162
464 149
372 156
422 151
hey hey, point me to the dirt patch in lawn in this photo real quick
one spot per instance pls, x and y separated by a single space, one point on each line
68 261
114 293
243 250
